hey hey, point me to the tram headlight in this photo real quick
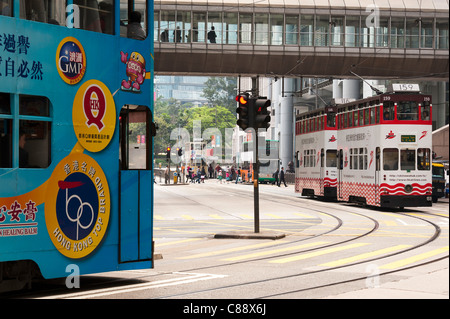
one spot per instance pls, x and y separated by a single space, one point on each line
408 188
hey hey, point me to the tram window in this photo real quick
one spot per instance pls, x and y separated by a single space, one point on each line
377 114
331 160
34 144
372 115
361 117
133 24
135 137
366 116
354 159
47 11
364 155
361 159
5 131
331 120
6 8
5 104
355 118
407 160
306 158
388 110
312 160
34 135
407 111
390 159
423 159
34 105
425 109
5 143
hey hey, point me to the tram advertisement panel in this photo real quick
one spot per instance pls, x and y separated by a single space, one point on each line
61 92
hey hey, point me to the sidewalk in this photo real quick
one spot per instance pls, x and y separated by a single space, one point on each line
433 285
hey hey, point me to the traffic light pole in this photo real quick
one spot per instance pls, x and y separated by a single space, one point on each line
256 185
252 113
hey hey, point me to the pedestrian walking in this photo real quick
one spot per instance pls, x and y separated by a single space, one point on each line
166 174
282 178
238 175
275 176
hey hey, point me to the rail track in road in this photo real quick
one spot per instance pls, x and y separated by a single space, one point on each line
342 227
343 209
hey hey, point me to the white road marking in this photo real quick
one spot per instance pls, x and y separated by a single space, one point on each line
188 278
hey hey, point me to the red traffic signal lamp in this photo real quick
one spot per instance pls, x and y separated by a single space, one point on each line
244 111
262 114
168 152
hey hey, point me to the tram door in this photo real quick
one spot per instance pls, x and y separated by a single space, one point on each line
340 168
377 173
322 174
136 184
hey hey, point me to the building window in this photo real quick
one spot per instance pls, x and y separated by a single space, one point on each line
291 29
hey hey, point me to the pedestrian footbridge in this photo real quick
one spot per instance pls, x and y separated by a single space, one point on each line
293 38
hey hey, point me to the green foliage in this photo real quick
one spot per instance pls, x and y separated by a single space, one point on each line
170 115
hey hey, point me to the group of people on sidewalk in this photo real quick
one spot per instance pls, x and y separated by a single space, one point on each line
198 175
279 177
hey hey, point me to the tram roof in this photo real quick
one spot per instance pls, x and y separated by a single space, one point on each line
395 5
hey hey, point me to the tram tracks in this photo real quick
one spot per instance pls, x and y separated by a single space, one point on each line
436 233
372 226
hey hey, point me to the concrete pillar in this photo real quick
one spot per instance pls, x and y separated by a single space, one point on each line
350 89
286 125
337 89
439 110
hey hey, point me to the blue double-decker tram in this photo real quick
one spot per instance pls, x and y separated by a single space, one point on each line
76 179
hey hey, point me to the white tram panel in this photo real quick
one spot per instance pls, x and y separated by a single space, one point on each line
386 162
316 162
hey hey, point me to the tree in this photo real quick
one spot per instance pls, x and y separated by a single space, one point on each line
221 91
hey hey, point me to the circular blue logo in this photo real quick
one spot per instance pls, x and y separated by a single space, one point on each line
71 60
77 206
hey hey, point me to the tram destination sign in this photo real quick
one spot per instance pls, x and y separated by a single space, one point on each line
408 139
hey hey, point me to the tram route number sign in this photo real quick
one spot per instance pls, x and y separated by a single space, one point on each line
408 139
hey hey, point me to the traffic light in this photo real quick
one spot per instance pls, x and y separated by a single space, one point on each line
168 153
262 114
244 111
179 151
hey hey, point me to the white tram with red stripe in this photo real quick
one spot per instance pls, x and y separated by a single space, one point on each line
316 159
384 150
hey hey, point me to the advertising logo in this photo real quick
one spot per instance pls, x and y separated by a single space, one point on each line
94 115
71 60
390 135
78 206
94 106
135 72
